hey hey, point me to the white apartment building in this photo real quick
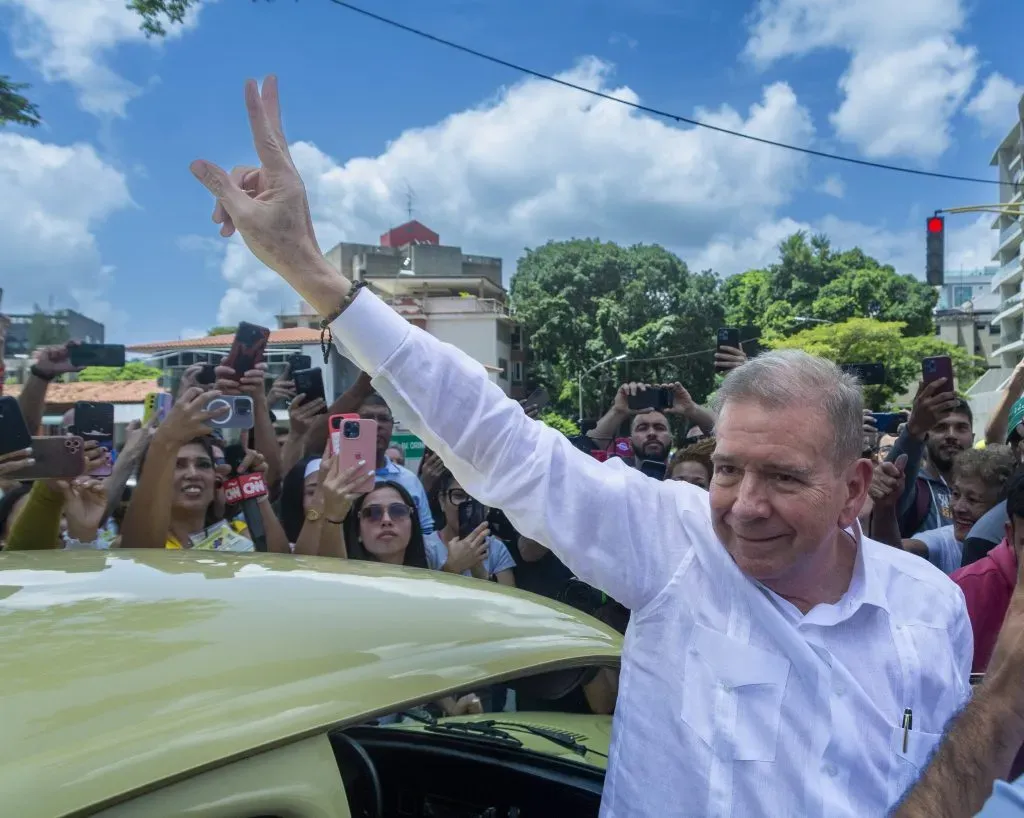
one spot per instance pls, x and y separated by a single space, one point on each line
1007 281
457 298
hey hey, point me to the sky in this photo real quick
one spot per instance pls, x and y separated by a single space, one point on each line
99 212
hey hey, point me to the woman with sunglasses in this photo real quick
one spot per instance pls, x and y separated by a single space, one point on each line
383 527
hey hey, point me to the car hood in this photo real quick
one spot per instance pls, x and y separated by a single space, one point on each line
123 669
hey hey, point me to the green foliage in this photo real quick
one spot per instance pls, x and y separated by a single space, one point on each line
131 371
13 106
222 330
865 340
158 14
561 424
584 301
811 280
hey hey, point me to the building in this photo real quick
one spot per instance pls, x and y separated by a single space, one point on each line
1006 286
174 357
970 327
960 288
65 325
456 297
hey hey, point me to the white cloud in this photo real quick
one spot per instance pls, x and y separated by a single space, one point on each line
54 197
540 161
907 74
832 186
995 104
71 40
970 242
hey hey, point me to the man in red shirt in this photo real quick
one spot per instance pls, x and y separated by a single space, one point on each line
988 583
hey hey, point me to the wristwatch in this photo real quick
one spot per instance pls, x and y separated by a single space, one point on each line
314 514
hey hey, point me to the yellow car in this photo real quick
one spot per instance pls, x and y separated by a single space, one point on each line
267 686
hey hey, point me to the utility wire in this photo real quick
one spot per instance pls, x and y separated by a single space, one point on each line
664 114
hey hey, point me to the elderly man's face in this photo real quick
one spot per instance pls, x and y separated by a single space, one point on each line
776 499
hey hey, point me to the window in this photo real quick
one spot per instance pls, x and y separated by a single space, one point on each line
517 372
517 338
503 366
993 329
961 294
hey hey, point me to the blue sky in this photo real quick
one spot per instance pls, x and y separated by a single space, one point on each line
98 210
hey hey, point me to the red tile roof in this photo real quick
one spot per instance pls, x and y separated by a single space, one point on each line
98 391
278 337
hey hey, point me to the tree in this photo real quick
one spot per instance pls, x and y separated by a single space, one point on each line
811 280
865 340
564 425
131 371
222 330
45 330
13 106
584 301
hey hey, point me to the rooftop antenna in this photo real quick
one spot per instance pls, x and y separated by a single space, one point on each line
410 197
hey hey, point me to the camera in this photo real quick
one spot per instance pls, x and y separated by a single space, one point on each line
350 429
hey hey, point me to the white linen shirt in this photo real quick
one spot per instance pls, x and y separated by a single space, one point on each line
731 703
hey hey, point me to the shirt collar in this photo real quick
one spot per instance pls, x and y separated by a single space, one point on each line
389 467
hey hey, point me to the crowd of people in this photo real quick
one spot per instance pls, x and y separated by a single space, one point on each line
804 599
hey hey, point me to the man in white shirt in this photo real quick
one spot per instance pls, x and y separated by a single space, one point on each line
773 655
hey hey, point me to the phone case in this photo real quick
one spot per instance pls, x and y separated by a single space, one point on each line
656 398
298 361
350 450
310 382
14 434
248 347
938 367
57 458
207 375
239 416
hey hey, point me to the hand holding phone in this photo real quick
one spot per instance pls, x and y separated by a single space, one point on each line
939 366
96 355
95 422
728 338
14 434
310 382
352 439
247 349
644 398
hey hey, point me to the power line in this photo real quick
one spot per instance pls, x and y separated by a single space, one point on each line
664 114
678 355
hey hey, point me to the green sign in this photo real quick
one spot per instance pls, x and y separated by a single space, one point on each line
411 446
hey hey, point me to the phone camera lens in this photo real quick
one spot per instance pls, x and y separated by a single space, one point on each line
244 407
351 429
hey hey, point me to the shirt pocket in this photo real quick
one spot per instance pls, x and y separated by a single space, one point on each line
908 765
732 695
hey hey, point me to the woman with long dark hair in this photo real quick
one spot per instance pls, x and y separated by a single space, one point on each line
383 527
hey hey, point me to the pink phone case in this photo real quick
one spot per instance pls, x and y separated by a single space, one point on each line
350 450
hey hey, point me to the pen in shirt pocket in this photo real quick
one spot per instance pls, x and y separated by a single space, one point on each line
908 725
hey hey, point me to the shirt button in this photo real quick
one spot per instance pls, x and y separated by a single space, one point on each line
830 770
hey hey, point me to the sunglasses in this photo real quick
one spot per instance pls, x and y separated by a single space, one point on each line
395 511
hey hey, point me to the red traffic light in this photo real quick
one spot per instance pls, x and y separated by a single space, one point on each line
936 224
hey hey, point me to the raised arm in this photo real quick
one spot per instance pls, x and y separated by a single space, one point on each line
605 521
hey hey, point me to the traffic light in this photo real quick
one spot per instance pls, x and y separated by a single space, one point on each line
935 258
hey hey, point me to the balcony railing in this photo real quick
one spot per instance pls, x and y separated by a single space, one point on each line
1007 271
1012 301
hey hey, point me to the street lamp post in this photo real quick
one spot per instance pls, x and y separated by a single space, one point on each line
582 375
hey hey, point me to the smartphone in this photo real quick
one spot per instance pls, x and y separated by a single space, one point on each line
297 361
156 405
538 399
867 374
887 423
238 416
653 397
96 354
207 375
471 515
14 434
353 439
654 468
728 337
57 458
941 366
248 347
310 382
95 421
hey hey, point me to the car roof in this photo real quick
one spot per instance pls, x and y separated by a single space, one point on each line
121 669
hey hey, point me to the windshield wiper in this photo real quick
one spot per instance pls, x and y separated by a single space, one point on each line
477 730
559 737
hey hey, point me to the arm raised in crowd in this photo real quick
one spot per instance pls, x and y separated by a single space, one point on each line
50 362
601 519
998 428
